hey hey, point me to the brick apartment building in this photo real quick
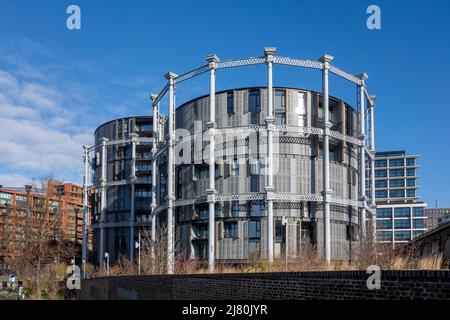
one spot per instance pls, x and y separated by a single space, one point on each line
14 203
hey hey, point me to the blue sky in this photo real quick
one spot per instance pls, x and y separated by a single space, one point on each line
58 85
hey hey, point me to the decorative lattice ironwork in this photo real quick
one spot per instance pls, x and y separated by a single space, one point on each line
240 62
345 75
298 62
191 74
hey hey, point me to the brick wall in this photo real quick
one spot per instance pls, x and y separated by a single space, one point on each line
395 284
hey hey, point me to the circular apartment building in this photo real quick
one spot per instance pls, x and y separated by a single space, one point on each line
121 165
241 173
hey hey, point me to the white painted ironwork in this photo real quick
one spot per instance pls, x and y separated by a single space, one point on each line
240 62
298 62
191 74
345 75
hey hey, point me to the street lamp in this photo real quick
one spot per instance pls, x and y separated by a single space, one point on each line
107 263
284 222
138 246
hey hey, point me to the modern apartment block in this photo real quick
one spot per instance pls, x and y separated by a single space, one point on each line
400 214
14 203
436 216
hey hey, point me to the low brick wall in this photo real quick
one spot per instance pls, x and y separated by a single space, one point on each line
417 284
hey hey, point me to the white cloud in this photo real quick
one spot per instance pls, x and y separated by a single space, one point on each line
14 180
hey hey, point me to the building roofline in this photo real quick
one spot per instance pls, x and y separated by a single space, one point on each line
259 87
130 117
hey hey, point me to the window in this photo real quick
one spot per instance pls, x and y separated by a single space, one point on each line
381 163
417 212
411 172
402 223
202 172
254 101
397 183
5 198
410 182
255 167
380 194
410 162
230 230
278 230
402 235
235 209
381 184
21 201
396 172
230 103
143 193
418 223
401 212
384 224
254 183
140 127
380 173
203 212
397 193
143 167
411 193
235 167
280 107
301 109
396 162
253 247
384 235
254 229
384 213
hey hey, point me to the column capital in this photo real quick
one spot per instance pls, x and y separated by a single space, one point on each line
103 140
270 194
171 76
85 147
211 195
134 137
153 97
326 59
363 76
372 100
269 53
213 60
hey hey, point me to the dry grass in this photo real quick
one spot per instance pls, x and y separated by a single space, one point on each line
308 260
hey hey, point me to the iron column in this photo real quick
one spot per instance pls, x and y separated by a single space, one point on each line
362 137
85 208
269 54
372 164
102 200
133 137
211 192
326 192
170 174
154 149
